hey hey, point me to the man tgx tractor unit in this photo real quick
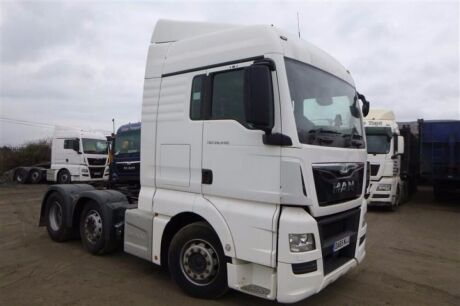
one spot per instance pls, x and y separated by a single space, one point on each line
384 148
126 150
78 156
253 167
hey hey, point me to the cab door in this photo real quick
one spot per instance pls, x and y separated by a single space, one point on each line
236 162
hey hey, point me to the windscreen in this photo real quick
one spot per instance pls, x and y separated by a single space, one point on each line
325 107
94 146
128 142
378 140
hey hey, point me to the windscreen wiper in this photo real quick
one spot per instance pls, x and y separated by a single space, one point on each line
356 140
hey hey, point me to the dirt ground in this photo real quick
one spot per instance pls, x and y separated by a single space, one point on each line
413 258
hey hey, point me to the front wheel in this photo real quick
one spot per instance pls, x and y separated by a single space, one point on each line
395 205
197 262
64 177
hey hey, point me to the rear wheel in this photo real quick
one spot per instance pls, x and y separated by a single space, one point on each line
35 176
55 216
92 230
197 262
64 177
20 176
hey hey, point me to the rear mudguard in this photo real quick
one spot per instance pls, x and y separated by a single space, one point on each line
112 203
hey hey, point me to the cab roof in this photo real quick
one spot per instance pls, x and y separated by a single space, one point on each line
200 44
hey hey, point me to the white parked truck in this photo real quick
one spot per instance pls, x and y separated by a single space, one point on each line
253 167
78 156
384 148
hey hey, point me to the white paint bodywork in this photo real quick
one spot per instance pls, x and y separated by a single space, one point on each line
389 169
68 159
252 181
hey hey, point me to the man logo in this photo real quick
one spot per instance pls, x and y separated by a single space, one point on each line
344 186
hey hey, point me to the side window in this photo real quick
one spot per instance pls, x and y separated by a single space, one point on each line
196 98
228 96
68 143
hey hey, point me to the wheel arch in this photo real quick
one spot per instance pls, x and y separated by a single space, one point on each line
203 211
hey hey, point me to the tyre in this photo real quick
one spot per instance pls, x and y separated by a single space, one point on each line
20 176
197 262
395 205
64 177
35 176
92 230
55 216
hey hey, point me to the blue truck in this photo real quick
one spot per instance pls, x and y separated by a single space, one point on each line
125 163
440 155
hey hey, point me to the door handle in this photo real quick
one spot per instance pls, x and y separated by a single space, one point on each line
66 160
206 176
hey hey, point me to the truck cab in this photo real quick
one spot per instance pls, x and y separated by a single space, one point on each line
125 162
78 156
384 148
253 166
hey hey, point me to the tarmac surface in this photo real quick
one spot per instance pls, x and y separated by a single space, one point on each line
413 258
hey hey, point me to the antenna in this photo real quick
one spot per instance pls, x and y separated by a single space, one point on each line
298 24
113 125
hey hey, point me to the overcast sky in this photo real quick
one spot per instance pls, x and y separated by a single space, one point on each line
82 63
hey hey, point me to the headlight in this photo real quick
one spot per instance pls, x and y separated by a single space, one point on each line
384 187
301 242
84 170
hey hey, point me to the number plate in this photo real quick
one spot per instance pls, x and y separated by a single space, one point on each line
97 173
340 244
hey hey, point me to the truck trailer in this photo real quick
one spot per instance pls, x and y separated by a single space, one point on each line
253 165
384 148
440 155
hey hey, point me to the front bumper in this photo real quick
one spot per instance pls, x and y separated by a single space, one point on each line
293 287
382 198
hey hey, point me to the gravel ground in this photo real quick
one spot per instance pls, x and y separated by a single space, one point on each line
413 258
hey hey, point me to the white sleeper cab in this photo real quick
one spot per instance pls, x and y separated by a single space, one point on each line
253 163
384 148
78 156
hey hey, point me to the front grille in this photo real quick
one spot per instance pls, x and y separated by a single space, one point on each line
133 167
374 169
97 161
380 196
336 183
96 172
333 228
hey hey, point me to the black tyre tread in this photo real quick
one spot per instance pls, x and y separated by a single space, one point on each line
203 231
64 233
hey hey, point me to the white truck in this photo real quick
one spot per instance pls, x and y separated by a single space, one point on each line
384 148
253 167
78 156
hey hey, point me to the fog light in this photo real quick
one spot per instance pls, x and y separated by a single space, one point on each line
301 242
384 187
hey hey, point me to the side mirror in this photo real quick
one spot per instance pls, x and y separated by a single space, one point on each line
366 104
400 145
258 97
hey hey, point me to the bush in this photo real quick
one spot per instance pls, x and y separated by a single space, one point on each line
29 154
